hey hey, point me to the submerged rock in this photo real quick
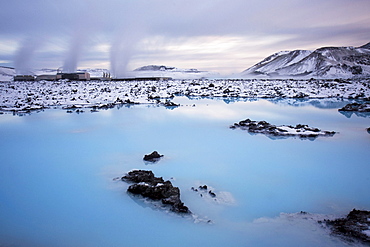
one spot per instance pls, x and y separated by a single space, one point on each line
154 188
356 226
153 157
263 127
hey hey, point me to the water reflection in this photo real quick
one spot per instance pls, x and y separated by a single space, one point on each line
349 114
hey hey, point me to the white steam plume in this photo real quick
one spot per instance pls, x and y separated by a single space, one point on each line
25 54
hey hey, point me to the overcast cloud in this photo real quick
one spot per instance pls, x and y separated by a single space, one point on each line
217 35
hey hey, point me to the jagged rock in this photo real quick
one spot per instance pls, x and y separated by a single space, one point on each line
356 226
204 187
301 95
365 107
149 186
153 157
169 103
263 127
212 194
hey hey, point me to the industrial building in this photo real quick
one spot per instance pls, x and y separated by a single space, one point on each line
24 78
77 76
46 78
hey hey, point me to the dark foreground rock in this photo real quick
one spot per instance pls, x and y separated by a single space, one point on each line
365 107
155 188
170 104
263 127
355 227
153 157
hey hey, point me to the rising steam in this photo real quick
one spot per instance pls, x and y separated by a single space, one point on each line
25 54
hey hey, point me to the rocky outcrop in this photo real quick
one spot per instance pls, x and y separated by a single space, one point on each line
357 107
263 127
155 188
204 188
170 104
355 227
153 157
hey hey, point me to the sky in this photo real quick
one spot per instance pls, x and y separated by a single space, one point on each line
225 36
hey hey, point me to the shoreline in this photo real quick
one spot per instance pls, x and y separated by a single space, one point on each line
25 97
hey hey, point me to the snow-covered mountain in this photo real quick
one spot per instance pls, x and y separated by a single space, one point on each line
326 62
173 72
6 73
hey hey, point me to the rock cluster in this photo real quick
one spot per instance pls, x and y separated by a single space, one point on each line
263 127
356 226
155 188
37 95
153 157
204 188
365 107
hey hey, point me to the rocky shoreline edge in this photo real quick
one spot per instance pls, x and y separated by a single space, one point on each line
354 227
26 96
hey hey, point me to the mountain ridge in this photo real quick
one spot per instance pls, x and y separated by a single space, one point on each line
324 62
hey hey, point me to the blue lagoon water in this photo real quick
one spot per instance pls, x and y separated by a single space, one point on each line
58 170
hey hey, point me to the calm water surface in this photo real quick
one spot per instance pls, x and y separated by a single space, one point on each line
57 173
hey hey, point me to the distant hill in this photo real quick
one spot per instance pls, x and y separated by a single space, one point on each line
173 72
325 62
166 68
6 73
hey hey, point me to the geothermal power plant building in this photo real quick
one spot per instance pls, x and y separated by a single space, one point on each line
78 76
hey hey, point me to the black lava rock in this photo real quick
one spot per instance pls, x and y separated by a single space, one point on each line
212 194
352 227
149 186
204 187
153 157
300 130
169 103
365 107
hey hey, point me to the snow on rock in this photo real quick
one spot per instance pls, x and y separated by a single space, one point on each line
365 107
354 227
263 127
35 95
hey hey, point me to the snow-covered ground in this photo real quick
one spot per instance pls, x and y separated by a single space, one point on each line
6 73
24 96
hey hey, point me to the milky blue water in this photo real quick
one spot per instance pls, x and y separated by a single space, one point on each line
57 171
